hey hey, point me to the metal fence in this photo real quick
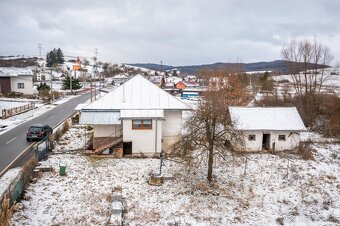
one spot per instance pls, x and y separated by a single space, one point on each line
41 149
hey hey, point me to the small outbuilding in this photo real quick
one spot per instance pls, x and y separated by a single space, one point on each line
268 128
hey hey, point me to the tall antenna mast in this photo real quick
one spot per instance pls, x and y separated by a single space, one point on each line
40 48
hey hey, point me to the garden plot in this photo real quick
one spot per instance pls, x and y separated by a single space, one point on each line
266 192
10 104
73 140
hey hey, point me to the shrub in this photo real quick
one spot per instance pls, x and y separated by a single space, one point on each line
58 134
75 119
13 95
66 126
305 150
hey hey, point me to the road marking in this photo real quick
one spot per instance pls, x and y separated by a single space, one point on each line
6 168
51 116
11 140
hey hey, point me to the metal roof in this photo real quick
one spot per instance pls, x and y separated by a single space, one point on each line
141 113
137 93
15 71
99 118
268 118
79 107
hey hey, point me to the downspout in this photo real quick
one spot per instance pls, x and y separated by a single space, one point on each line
156 137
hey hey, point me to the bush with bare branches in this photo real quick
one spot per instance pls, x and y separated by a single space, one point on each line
209 129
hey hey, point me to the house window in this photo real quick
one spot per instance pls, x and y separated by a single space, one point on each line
20 85
282 137
251 137
142 124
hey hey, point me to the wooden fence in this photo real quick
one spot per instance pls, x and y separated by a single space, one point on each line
6 113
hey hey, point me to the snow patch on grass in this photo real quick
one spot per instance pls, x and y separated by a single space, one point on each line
273 190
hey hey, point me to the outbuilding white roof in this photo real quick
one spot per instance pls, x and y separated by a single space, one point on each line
266 118
138 93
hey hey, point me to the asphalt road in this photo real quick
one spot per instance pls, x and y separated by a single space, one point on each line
13 142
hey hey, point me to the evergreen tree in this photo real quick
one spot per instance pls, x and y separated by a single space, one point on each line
51 58
60 56
48 60
54 57
75 83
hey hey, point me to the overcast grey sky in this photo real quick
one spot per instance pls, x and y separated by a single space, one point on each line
178 32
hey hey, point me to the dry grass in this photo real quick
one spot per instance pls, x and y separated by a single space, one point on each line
149 216
27 170
6 211
66 126
305 150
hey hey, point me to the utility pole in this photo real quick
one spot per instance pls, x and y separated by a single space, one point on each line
40 48
71 80
95 72
91 85
51 84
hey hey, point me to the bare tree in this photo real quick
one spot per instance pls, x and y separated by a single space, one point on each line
209 130
306 61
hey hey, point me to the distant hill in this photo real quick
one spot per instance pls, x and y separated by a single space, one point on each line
18 61
277 66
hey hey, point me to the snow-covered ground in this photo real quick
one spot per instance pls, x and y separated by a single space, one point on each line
10 104
10 123
265 195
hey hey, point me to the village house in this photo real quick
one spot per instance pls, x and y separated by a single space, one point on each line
119 79
138 114
14 79
268 128
189 89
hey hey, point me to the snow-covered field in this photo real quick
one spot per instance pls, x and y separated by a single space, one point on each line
10 104
331 82
265 195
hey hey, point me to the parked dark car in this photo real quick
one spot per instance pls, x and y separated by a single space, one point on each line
38 132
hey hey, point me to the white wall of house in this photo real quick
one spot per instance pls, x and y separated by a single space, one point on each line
143 140
26 80
292 140
171 128
106 130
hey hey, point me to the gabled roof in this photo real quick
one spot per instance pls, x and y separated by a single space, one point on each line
271 118
14 71
137 93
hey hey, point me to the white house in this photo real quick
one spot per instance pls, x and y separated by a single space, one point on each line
268 128
14 79
138 113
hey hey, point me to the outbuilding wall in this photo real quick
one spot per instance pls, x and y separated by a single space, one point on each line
291 142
